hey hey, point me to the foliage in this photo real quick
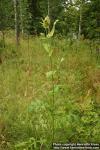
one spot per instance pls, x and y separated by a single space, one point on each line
26 95
68 13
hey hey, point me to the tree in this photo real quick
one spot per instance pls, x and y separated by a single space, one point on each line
91 19
35 13
17 21
25 16
6 17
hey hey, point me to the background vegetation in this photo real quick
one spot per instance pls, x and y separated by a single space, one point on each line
49 85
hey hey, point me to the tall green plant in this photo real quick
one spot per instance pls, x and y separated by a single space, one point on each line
47 46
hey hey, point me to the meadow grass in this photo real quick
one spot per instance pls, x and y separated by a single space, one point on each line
26 94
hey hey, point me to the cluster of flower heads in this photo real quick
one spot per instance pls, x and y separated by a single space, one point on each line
46 22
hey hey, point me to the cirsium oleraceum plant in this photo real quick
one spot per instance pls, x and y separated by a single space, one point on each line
50 74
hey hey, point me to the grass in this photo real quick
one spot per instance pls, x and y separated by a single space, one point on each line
26 95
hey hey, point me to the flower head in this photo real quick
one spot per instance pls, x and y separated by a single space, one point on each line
46 22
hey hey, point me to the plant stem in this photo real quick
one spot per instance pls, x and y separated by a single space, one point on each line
53 97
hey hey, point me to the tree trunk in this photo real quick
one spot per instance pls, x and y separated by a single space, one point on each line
21 18
80 23
17 23
48 8
3 36
80 19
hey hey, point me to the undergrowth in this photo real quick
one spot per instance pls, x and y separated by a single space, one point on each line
26 95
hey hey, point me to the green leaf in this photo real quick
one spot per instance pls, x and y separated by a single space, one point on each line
48 48
51 33
62 59
50 74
